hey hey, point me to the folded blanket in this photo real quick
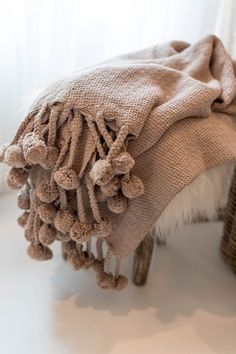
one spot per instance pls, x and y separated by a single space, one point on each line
103 152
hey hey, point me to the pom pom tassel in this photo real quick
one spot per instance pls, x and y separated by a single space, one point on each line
34 149
103 228
14 156
47 234
39 252
64 221
107 281
17 177
23 200
66 178
46 212
132 186
111 188
81 232
123 163
74 259
23 219
101 172
52 155
46 193
117 204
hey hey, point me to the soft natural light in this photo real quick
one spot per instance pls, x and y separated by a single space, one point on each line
45 40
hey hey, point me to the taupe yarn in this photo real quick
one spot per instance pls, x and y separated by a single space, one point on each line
103 152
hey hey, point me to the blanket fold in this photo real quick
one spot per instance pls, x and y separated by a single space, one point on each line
102 153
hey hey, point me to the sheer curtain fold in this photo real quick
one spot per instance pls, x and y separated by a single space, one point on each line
44 40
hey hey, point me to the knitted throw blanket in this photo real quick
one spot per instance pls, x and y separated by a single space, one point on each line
102 153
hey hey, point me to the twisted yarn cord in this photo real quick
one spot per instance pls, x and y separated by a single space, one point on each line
32 214
76 127
63 198
103 130
96 138
30 222
36 227
61 156
52 126
80 204
117 145
93 199
63 117
65 114
38 121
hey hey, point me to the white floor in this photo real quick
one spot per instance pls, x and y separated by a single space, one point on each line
188 305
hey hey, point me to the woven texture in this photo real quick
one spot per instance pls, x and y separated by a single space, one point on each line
103 152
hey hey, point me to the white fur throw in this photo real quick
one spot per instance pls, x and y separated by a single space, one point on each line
202 198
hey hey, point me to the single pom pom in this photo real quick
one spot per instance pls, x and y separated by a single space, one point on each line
16 177
121 282
74 258
81 232
51 158
68 246
111 188
98 266
102 229
22 219
101 172
23 200
39 252
47 234
88 260
34 149
123 163
117 204
14 156
46 193
29 235
66 178
64 221
3 149
105 281
46 212
132 186
63 237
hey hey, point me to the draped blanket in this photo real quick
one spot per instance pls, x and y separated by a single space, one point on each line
103 152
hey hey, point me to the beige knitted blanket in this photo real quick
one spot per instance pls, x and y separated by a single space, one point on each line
103 152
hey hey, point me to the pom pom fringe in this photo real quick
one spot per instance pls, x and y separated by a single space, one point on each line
44 162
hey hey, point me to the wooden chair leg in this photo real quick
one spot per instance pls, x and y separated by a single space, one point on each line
228 242
142 260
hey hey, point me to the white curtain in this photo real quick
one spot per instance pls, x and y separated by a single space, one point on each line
43 40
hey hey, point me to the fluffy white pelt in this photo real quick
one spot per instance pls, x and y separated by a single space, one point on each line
203 197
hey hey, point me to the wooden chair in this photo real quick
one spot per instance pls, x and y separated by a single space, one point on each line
228 243
143 254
